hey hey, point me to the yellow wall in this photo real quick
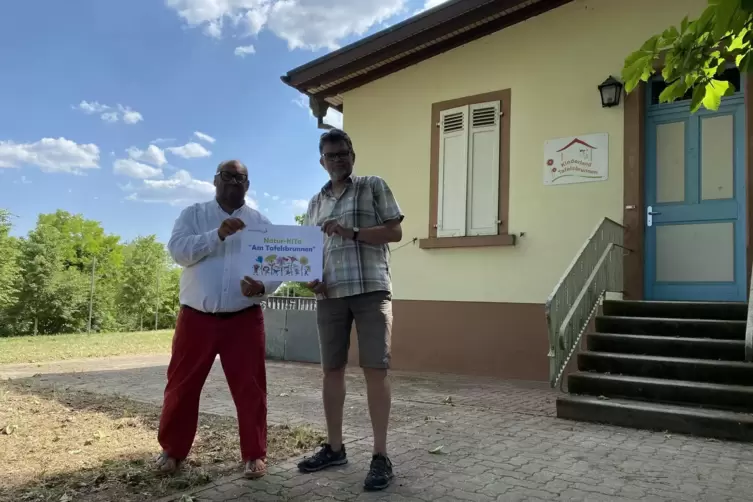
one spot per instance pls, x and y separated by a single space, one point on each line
553 64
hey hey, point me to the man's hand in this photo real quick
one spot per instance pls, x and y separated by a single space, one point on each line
229 227
317 287
332 227
250 287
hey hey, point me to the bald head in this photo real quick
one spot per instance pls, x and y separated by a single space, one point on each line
235 166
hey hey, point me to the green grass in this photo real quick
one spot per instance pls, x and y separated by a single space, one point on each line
36 349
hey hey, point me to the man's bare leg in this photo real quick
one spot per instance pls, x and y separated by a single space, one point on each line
333 394
380 401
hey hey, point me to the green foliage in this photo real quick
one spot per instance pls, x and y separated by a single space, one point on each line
293 289
299 219
46 279
695 53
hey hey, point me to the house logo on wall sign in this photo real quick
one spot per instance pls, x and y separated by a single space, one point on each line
580 159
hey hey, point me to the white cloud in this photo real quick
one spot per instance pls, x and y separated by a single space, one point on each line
152 155
190 151
180 189
252 203
430 4
244 50
301 204
91 107
162 140
275 197
134 169
333 117
50 155
128 115
266 194
204 137
305 24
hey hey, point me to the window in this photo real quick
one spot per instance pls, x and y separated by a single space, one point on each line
470 172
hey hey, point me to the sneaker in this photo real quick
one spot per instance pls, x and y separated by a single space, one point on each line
380 474
323 459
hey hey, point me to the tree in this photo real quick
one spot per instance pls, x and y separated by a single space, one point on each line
695 53
299 219
10 270
52 298
145 263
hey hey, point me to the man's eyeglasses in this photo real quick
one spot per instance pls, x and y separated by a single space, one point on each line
239 178
336 155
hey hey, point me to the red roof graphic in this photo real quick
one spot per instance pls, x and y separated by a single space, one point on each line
576 140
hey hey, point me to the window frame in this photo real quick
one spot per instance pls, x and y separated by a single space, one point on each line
502 238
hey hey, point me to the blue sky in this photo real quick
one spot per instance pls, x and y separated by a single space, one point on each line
121 110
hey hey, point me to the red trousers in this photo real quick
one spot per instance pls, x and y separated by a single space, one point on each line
240 342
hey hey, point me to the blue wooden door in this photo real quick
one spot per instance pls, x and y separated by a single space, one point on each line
695 202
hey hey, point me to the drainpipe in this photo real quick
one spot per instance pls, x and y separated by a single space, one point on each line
319 109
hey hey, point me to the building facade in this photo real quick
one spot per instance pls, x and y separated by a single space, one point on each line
503 159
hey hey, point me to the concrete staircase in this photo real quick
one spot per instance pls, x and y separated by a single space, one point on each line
667 366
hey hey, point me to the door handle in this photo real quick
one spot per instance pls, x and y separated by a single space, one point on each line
650 213
653 213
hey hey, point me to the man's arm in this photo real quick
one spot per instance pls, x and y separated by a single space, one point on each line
188 247
387 210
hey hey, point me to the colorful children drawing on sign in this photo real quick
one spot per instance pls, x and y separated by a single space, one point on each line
281 266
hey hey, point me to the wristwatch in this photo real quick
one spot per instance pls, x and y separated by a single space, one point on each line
355 233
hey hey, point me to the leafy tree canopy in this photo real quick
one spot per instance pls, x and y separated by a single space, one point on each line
695 53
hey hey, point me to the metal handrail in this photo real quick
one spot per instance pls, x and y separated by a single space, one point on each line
749 327
596 270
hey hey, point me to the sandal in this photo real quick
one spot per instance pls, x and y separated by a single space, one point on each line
255 469
167 464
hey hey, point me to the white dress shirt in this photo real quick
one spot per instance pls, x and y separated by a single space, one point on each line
212 268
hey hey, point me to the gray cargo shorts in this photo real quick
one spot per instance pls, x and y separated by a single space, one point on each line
372 313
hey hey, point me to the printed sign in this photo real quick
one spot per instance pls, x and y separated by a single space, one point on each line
579 159
284 252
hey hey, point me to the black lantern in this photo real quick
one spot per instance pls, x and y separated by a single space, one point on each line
610 90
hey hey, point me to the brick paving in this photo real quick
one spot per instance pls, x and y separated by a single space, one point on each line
501 441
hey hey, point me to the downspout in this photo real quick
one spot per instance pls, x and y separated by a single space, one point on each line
319 109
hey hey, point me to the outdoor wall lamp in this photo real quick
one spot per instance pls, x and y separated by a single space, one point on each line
610 90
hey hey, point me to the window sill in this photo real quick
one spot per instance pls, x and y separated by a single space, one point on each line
476 241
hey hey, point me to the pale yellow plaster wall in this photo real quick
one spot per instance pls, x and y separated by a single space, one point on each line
553 64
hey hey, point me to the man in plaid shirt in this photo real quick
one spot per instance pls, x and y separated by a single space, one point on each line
360 217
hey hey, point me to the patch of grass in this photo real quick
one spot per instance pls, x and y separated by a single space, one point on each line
35 349
77 446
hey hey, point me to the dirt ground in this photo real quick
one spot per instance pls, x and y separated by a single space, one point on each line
69 446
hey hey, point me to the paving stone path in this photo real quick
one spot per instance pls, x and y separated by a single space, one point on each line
501 441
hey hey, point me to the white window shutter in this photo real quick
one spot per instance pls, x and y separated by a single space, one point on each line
483 169
453 172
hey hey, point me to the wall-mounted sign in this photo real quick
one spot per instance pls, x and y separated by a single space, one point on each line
578 159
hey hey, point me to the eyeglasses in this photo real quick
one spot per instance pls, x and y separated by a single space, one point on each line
336 155
227 176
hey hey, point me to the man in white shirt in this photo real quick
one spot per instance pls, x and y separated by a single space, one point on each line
220 315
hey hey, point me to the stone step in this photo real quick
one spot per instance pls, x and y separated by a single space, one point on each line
729 311
707 395
696 348
696 370
717 424
686 328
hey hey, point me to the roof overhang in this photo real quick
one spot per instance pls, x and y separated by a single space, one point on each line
417 39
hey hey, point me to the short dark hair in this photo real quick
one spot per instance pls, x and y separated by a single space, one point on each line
334 136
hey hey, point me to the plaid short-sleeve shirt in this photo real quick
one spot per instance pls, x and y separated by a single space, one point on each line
355 267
